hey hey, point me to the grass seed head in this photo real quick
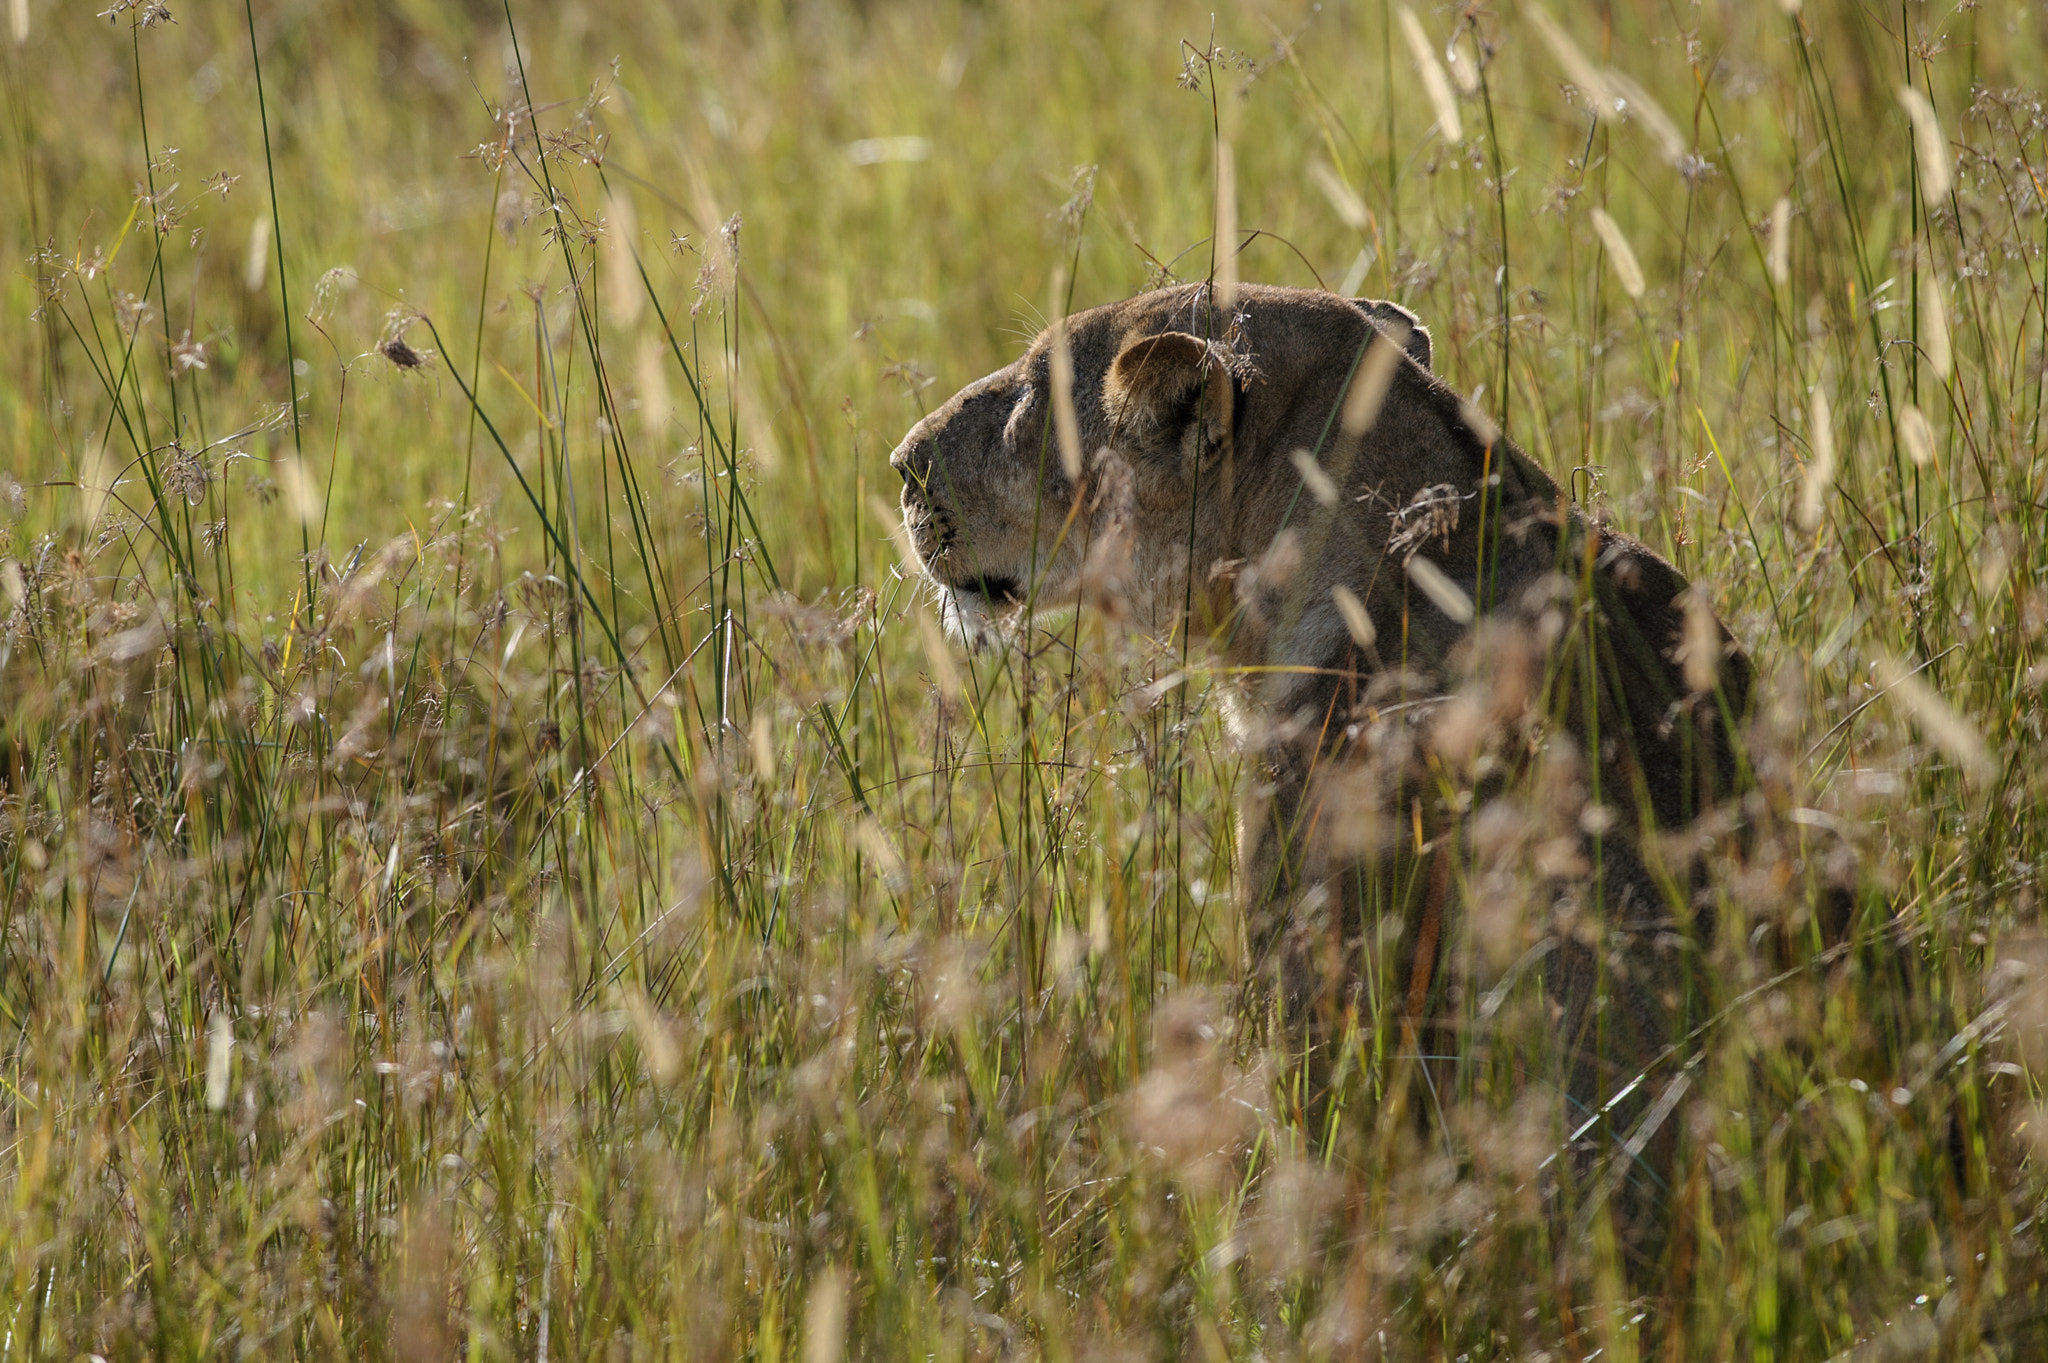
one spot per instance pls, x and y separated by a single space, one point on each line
1590 80
623 295
1619 253
1461 56
825 1317
1916 435
1930 151
1435 83
1357 622
1368 392
1820 465
1319 483
301 493
1344 201
1700 653
1446 595
650 379
1780 252
1637 103
220 1045
1934 337
257 263
1943 724
97 479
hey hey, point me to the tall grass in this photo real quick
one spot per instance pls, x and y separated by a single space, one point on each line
498 859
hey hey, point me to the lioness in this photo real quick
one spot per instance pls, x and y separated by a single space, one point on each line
1290 477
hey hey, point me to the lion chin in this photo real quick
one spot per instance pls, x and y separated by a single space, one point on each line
970 618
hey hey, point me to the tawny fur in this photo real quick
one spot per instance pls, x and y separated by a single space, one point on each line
1192 513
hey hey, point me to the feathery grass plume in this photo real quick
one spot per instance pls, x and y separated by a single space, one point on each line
12 585
1319 483
1226 228
1354 278
1434 82
1462 59
1636 102
622 293
650 381
1994 569
257 263
761 740
945 672
301 493
1193 1108
657 1043
17 11
1943 725
220 1046
825 1317
1820 465
1930 152
1482 426
1350 209
1934 338
1446 595
1357 623
1066 423
1369 386
97 479
1580 71
881 151
1700 650
1790 7
1780 252
1620 253
875 842
1916 435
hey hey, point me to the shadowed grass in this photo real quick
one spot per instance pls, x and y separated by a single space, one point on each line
497 860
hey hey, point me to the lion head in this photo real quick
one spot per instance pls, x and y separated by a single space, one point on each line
1212 449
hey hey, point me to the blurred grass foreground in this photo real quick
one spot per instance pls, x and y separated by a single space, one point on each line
499 861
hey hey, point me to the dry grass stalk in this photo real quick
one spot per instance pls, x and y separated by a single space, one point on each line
1066 422
1226 227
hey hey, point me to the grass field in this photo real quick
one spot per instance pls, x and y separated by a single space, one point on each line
499 861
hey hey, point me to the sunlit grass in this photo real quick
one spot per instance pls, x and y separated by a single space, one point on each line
503 863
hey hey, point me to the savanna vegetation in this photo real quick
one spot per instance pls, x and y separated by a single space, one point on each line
499 859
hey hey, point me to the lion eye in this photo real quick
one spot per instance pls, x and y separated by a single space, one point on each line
1013 429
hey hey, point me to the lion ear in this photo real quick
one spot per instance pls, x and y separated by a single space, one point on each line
1397 321
1159 384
